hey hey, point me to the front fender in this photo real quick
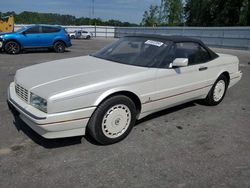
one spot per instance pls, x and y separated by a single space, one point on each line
12 39
110 92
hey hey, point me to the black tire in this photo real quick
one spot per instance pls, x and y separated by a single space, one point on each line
211 100
120 105
12 47
72 36
59 47
88 37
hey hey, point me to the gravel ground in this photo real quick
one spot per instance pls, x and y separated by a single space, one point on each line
186 146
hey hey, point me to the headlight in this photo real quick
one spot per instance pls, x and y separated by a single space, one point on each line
38 102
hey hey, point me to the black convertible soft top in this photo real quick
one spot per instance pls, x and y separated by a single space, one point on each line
177 39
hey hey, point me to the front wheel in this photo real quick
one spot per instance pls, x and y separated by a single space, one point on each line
113 120
12 47
217 92
59 47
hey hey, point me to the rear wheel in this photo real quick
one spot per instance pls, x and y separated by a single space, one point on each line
12 47
88 37
217 92
113 120
59 47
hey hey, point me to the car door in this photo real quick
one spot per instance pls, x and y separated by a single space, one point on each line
48 35
176 85
78 34
84 34
31 37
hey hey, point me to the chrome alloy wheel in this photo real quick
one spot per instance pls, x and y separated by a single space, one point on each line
12 48
60 47
116 121
219 90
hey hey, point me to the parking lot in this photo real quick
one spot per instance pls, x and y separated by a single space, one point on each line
191 145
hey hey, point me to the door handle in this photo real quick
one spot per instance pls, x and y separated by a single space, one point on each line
202 68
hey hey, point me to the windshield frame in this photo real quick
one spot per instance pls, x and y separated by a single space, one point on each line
160 55
24 28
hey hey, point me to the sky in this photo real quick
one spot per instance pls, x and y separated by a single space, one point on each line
124 10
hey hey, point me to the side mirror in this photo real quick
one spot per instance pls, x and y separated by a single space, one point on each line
180 62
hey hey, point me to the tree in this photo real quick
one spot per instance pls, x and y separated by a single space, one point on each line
198 13
171 12
151 17
226 12
217 12
245 13
51 18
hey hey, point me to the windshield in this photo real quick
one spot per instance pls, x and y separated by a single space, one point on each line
138 51
21 29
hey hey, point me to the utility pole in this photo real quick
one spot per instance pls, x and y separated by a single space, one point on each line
93 8
93 14
160 14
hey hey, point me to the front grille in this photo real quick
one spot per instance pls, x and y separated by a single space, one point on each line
22 92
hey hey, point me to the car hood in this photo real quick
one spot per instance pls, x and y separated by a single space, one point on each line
87 73
5 33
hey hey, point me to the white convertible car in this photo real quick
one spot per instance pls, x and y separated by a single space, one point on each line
103 94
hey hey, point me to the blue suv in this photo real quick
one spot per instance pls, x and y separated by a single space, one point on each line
35 36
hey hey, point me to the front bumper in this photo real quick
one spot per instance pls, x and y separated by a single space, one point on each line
58 125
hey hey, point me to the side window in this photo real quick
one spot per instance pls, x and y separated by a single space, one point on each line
46 29
168 57
204 55
85 32
33 30
195 53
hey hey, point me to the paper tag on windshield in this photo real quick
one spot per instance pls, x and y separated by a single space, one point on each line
154 43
